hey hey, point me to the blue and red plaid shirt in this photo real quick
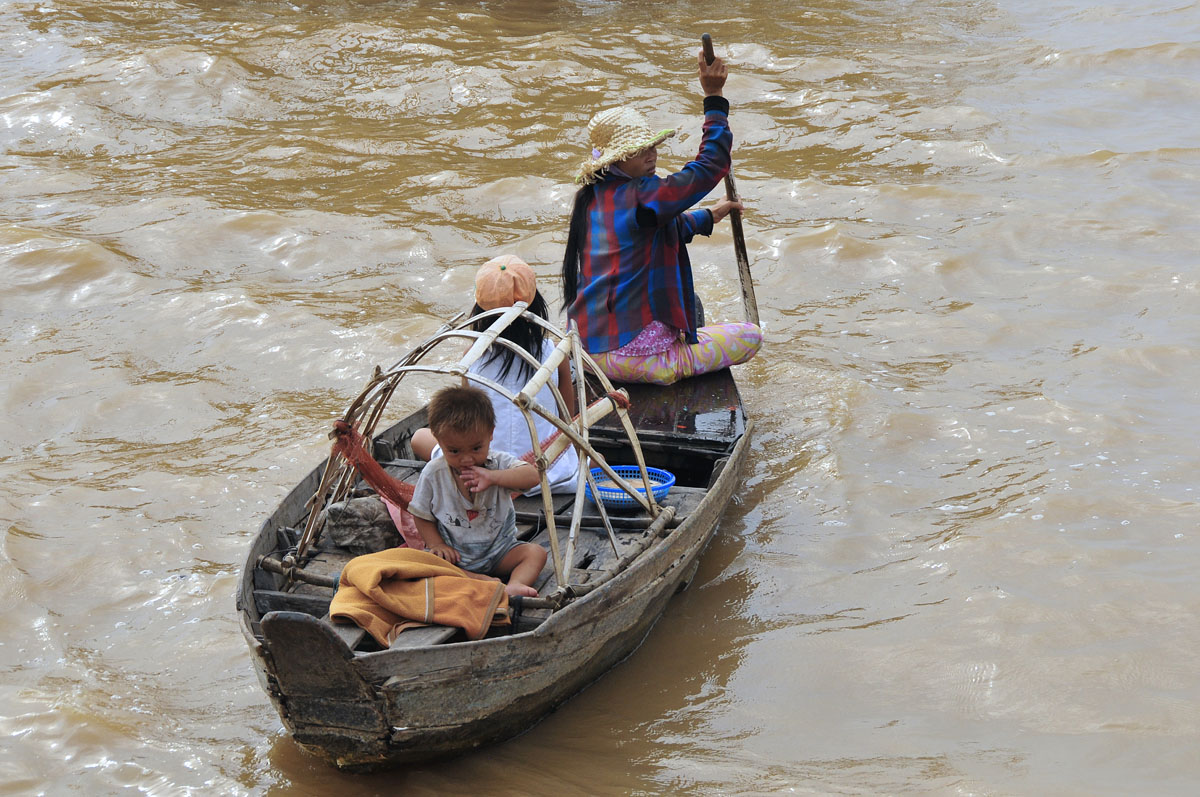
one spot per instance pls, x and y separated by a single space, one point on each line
634 265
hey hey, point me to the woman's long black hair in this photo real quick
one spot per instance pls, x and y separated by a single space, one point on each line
523 332
573 256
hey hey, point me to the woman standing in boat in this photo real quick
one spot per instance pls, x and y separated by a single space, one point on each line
627 279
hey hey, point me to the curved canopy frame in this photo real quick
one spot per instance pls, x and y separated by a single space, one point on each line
366 410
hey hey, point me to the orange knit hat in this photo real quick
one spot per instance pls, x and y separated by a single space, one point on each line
503 281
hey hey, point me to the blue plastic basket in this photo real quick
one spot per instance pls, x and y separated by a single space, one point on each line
616 498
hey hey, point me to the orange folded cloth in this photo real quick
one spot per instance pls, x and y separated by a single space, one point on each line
385 592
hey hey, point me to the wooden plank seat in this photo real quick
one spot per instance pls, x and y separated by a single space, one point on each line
703 412
349 633
684 500
425 635
417 637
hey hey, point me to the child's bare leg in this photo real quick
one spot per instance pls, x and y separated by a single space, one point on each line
422 443
522 565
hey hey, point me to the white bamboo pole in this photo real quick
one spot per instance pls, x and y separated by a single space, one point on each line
590 417
649 504
579 427
541 462
603 510
646 501
487 338
543 374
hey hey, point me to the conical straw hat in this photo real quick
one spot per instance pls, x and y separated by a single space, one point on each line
616 134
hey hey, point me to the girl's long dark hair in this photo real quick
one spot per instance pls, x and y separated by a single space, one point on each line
573 256
523 332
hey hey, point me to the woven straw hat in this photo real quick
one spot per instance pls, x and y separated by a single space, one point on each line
503 281
616 134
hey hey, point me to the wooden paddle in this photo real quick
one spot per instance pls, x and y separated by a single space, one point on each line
735 222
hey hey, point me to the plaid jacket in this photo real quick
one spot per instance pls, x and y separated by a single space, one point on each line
634 266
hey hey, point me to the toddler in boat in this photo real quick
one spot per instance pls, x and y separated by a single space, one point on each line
461 503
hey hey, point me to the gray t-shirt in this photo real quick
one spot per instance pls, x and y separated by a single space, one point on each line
481 528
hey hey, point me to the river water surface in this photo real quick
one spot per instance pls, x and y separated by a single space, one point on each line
964 557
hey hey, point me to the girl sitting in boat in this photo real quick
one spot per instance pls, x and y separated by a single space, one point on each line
501 282
627 279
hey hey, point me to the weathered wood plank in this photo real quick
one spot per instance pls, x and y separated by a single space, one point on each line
529 619
314 670
423 635
532 504
685 500
350 633
530 516
328 563
354 635
593 552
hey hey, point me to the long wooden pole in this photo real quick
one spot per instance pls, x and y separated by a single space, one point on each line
735 221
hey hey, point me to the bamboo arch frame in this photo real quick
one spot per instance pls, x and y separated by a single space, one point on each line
366 410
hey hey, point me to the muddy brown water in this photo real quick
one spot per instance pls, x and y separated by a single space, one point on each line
964 557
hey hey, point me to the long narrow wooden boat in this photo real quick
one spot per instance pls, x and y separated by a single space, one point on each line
610 574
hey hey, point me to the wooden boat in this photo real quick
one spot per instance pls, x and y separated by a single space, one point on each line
432 693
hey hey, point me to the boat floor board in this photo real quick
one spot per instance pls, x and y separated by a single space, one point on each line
685 500
593 554
530 515
533 503
545 581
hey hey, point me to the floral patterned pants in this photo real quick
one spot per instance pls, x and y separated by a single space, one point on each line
719 346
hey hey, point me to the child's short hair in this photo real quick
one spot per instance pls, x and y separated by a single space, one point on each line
460 409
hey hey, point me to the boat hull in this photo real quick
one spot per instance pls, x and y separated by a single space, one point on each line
405 706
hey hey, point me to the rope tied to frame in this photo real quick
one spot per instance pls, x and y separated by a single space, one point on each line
619 398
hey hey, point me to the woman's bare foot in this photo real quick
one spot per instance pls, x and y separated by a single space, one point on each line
522 590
